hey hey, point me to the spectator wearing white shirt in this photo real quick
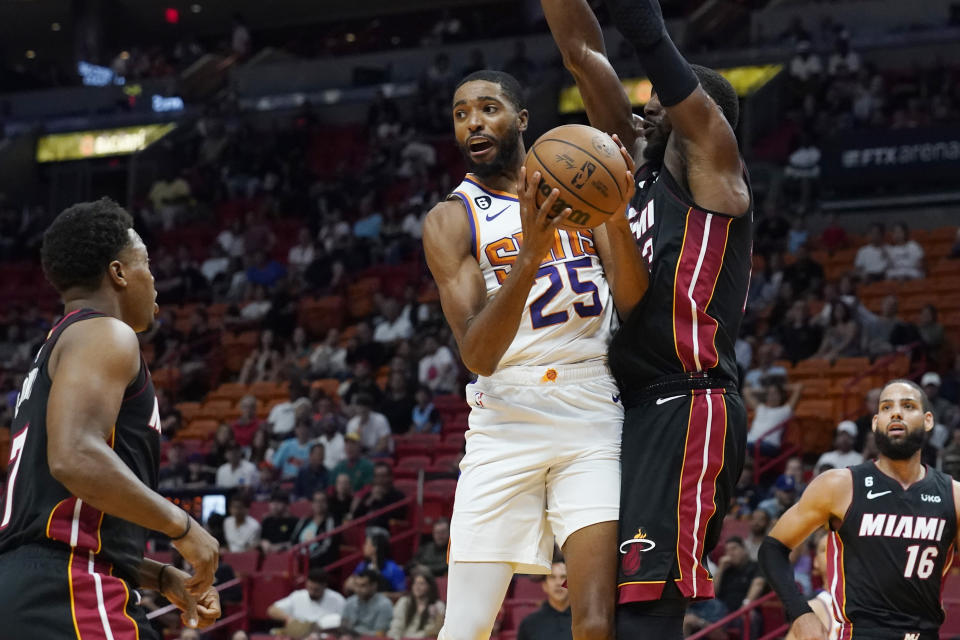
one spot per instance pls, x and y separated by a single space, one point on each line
805 65
775 409
329 359
314 605
283 416
905 255
237 472
871 261
844 61
843 455
216 263
393 326
332 441
241 532
372 427
302 253
437 368
231 240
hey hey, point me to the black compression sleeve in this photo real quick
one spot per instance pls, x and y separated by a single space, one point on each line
641 23
774 557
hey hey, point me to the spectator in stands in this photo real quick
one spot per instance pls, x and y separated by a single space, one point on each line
552 620
794 469
215 267
241 532
931 332
371 427
950 384
362 383
774 410
843 455
367 612
199 475
738 580
950 458
944 411
834 236
784 495
276 529
310 607
301 254
263 363
240 635
174 473
237 472
248 423
905 256
170 418
382 494
331 439
398 402
170 197
319 522
872 262
314 476
240 37
393 325
260 449
805 274
341 497
865 422
799 337
747 493
293 454
425 417
842 337
265 271
802 173
329 359
358 468
419 612
760 522
765 372
799 234
437 367
376 556
805 68
433 553
843 61
881 334
283 417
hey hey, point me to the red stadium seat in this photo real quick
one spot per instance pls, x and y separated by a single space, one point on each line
244 563
265 590
406 486
418 444
412 462
301 508
527 588
259 509
515 612
276 563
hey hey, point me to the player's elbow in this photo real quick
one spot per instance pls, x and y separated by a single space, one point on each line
70 468
478 360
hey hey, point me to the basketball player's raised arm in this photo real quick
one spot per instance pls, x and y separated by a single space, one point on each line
91 368
826 499
578 36
712 166
485 329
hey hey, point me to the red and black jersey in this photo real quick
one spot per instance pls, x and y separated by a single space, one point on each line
699 262
36 508
887 562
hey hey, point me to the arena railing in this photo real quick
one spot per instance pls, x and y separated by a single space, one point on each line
743 614
883 364
786 449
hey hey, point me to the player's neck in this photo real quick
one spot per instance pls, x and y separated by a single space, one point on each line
906 472
97 300
506 180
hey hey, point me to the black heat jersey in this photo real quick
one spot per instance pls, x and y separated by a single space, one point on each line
35 508
699 264
887 562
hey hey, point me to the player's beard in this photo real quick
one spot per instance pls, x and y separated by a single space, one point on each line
656 147
903 448
507 151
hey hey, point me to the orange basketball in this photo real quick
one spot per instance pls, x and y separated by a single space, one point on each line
586 166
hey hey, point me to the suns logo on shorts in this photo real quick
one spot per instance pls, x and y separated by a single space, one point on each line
631 550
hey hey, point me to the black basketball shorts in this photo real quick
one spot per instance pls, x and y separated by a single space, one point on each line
51 594
682 455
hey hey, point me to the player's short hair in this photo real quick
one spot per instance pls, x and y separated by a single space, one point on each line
317 575
924 399
82 241
721 91
508 84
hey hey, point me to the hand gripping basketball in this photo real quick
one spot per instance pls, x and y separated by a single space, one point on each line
539 223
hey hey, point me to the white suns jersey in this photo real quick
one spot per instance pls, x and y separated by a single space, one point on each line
569 316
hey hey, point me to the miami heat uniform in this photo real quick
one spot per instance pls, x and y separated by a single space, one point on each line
67 570
684 431
542 454
887 562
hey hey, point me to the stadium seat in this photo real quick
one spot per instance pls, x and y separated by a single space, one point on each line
259 509
527 588
516 611
276 563
231 391
419 444
244 563
406 486
265 589
301 508
414 462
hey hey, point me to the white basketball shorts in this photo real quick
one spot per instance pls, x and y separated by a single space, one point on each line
542 461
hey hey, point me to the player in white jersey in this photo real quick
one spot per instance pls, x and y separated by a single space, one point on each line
532 308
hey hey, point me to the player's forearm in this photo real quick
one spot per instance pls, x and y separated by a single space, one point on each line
148 574
774 559
491 331
574 28
625 270
95 474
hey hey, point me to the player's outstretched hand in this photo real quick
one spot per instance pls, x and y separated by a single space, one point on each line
539 224
807 627
202 551
198 613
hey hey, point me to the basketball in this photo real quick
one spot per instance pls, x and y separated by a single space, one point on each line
586 166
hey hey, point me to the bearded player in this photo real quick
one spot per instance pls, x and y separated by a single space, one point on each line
684 432
532 309
893 533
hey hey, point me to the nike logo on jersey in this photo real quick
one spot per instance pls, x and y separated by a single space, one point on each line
661 401
616 398
491 218
871 495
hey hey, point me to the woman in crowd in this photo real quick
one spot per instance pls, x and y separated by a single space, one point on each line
842 337
418 613
319 521
376 555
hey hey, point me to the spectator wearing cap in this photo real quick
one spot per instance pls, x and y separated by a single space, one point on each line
314 476
843 455
248 423
277 527
367 612
372 427
313 605
784 495
944 411
241 532
293 454
354 465
552 620
237 472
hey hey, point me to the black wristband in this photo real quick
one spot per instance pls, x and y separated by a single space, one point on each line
774 557
186 530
